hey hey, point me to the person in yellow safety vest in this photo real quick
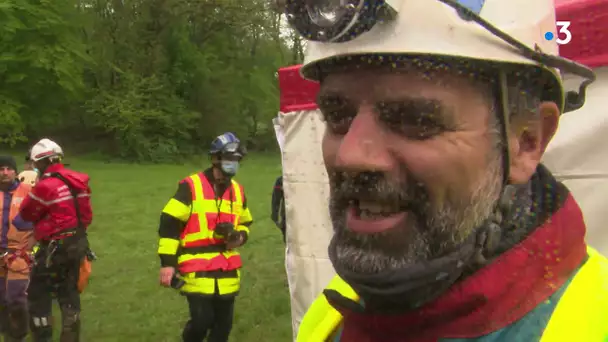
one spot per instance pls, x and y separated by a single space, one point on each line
200 227
446 225
16 241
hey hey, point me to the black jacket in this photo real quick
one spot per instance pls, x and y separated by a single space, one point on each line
278 206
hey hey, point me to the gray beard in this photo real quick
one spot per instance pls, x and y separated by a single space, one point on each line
443 230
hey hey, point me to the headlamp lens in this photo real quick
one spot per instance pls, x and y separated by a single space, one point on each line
231 147
326 13
333 20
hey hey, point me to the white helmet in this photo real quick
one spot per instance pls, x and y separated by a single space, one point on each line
45 148
505 32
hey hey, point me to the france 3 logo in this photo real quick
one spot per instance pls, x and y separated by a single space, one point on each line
563 36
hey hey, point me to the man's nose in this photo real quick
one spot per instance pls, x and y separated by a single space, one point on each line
364 147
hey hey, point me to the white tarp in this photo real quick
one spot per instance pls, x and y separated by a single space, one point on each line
309 229
578 156
278 131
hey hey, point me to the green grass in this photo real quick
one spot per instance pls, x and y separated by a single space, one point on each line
124 301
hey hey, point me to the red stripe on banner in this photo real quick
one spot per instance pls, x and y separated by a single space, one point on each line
588 24
296 92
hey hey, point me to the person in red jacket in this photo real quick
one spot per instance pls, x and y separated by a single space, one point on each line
60 208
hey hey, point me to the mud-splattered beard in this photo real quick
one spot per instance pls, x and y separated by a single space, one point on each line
430 230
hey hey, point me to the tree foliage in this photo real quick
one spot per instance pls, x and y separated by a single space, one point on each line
151 80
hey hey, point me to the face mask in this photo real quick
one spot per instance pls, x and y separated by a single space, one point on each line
230 167
36 170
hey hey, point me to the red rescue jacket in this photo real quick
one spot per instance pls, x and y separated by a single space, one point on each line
50 204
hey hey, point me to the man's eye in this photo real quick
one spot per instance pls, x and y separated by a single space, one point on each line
337 114
337 122
411 120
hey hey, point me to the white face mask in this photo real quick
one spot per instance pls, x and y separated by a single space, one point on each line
230 167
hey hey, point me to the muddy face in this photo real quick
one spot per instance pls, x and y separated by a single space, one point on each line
413 164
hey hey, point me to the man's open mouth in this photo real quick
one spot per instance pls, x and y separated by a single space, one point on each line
372 210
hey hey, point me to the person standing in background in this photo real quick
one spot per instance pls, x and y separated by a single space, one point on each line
16 243
200 228
60 207
278 206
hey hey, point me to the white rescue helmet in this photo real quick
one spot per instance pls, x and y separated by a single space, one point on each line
504 32
45 148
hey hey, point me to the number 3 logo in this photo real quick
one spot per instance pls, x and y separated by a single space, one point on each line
563 29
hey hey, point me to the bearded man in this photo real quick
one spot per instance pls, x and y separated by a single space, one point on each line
446 225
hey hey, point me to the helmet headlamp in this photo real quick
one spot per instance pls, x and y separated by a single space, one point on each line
233 150
336 20
231 147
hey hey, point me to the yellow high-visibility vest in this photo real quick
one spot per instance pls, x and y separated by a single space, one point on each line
200 250
581 315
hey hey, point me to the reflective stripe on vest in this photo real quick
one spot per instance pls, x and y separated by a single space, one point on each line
199 249
16 239
206 285
322 320
580 315
582 312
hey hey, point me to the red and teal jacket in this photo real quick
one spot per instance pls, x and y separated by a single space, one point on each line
550 288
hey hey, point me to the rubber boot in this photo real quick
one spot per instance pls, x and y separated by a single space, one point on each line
4 322
42 334
18 323
12 339
70 326
191 334
8 329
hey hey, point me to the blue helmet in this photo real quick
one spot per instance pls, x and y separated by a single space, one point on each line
227 143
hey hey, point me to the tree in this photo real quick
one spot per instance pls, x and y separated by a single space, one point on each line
148 80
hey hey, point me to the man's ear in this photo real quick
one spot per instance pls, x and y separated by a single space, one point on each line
528 140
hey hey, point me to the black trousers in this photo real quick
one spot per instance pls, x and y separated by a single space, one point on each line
210 317
60 280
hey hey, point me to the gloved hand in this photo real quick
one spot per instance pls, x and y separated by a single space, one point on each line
235 239
91 255
223 229
177 282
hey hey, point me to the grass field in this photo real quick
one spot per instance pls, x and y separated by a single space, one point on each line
124 302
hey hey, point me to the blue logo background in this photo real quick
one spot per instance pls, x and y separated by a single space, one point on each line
473 5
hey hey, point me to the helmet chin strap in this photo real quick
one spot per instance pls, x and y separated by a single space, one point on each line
43 165
225 176
489 238
502 90
407 288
